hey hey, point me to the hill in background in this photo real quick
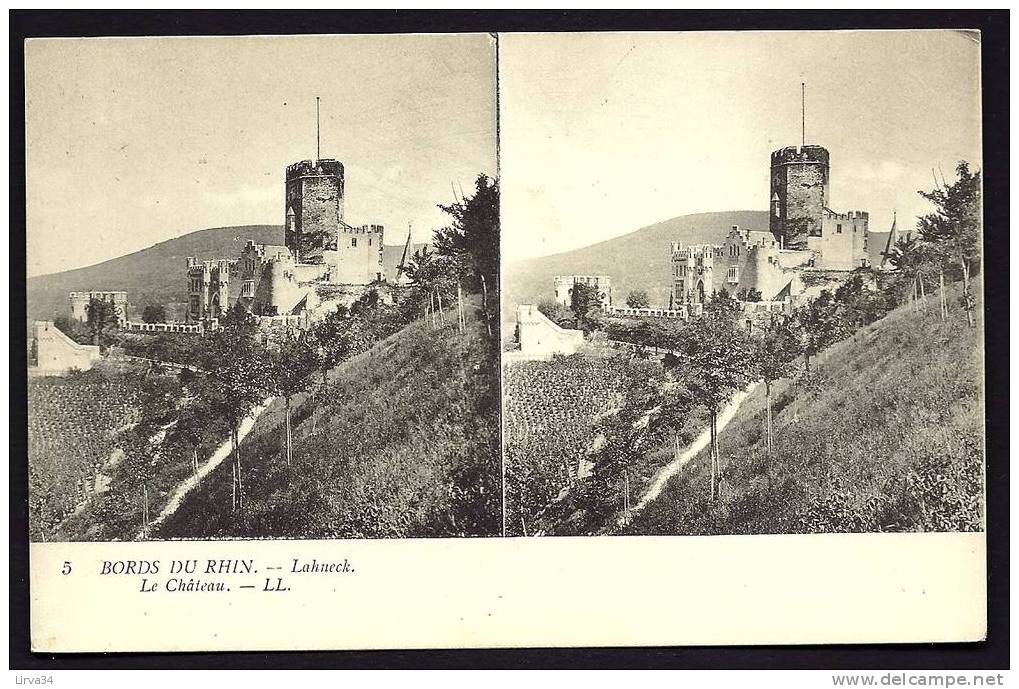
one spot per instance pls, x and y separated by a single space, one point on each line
156 275
639 260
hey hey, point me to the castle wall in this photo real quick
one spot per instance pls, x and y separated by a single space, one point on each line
766 274
799 193
58 354
540 338
563 285
358 255
80 300
843 241
314 192
133 326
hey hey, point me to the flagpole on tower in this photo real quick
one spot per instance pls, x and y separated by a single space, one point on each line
318 132
803 114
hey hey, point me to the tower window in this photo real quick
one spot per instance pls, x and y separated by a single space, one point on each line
838 228
353 240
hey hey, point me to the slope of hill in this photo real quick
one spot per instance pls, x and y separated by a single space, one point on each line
156 275
886 434
402 442
638 260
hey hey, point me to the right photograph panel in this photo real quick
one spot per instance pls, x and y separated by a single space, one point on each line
742 288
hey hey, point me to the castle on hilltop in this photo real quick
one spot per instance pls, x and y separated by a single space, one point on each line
321 255
804 235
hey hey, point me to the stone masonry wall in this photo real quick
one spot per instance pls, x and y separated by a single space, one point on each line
315 193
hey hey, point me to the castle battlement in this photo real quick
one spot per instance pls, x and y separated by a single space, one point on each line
363 229
694 250
266 252
586 279
800 154
848 215
199 268
100 294
308 168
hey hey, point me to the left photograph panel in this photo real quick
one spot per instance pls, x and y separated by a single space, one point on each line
262 294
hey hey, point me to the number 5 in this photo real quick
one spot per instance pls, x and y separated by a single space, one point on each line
66 569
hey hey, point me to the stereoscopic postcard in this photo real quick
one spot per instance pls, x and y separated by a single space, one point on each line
477 340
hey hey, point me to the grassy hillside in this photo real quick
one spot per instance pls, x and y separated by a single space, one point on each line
156 275
638 260
885 434
403 441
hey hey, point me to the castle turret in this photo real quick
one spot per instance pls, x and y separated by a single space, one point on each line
799 193
314 207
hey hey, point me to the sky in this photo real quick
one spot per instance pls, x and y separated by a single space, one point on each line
601 134
134 141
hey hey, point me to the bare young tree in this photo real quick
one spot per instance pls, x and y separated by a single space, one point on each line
775 348
715 353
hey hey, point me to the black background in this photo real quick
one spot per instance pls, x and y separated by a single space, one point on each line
989 654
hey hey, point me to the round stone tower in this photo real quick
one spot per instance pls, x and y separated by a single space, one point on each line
314 207
799 193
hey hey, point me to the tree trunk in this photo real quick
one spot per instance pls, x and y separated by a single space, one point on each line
714 464
767 398
194 459
238 481
965 291
289 436
941 289
145 511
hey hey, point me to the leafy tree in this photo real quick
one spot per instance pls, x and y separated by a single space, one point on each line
100 317
750 294
585 305
715 354
74 329
820 324
473 236
434 278
290 369
557 313
775 348
724 305
953 229
154 313
638 299
193 420
860 305
908 255
235 383
237 315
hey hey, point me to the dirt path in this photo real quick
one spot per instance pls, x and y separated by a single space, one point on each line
689 452
217 458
